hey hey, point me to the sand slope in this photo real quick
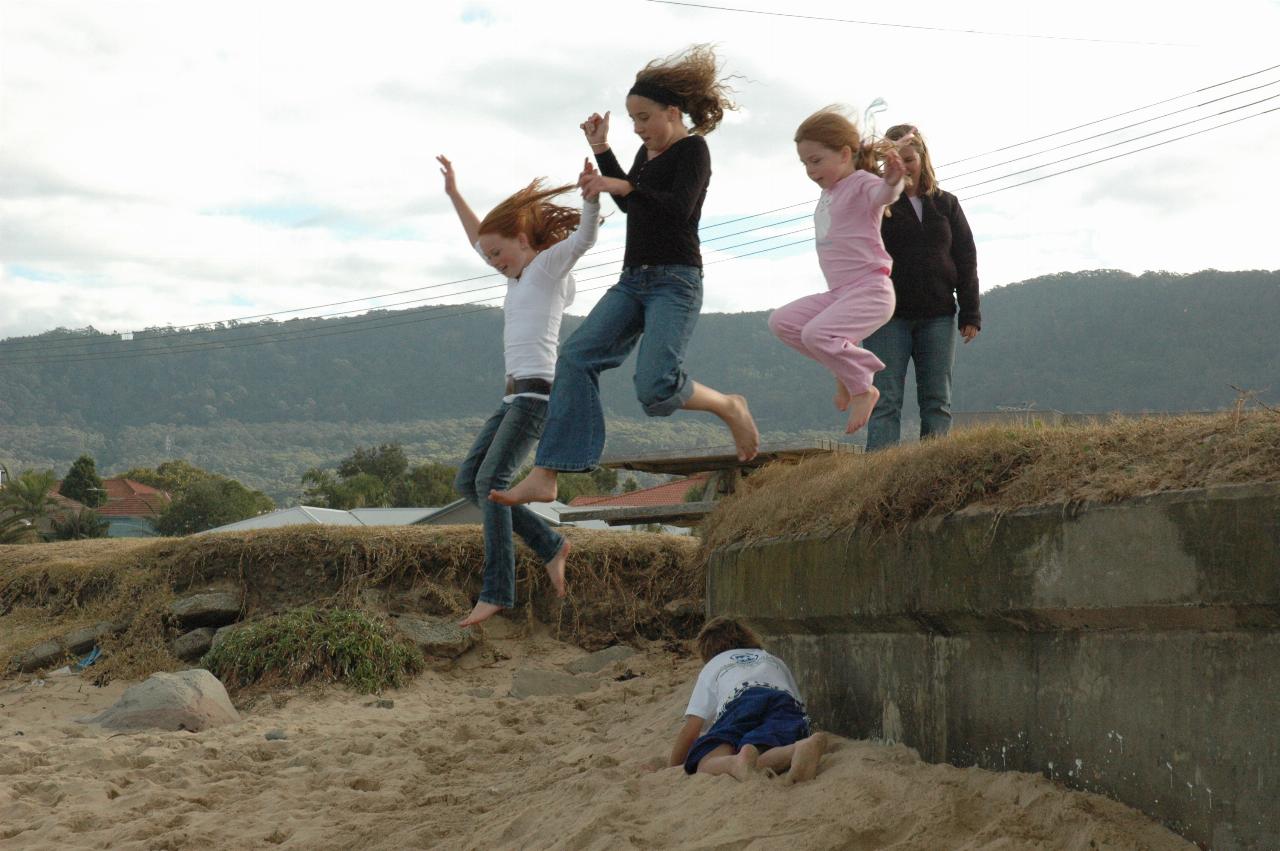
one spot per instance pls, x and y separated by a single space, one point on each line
449 767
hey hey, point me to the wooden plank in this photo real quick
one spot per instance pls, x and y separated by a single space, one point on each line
676 514
686 462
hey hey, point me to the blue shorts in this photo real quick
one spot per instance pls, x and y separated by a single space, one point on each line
760 716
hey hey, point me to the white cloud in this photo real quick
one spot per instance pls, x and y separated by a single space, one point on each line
160 165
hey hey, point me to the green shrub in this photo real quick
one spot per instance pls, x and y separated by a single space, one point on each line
333 645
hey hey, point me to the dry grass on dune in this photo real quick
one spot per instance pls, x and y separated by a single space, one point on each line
1000 468
619 583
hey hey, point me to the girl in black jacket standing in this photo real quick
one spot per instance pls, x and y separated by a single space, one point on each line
935 264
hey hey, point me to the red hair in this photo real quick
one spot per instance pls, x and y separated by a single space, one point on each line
530 212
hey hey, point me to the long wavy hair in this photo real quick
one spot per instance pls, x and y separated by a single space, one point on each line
530 212
928 182
694 75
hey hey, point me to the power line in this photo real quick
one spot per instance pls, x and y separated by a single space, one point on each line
1120 129
1111 117
289 335
359 325
1124 154
925 27
65 343
44 346
1117 144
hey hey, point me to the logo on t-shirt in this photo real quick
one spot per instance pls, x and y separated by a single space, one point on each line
745 658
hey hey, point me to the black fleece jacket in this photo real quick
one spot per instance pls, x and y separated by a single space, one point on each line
665 205
934 260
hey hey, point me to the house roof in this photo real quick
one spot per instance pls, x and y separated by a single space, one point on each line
670 493
308 515
549 511
127 498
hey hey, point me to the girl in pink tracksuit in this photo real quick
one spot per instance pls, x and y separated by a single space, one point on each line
829 327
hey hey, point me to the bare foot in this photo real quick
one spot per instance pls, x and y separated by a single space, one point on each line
538 486
860 408
555 568
804 762
743 428
842 396
744 762
482 612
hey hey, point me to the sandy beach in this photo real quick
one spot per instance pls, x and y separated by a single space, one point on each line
453 762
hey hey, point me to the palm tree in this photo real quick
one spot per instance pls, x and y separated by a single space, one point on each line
31 492
14 528
78 525
25 501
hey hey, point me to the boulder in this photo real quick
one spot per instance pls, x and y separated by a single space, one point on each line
190 646
601 659
435 636
43 655
529 682
220 635
192 700
207 608
84 640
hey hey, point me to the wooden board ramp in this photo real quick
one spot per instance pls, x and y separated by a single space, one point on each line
720 462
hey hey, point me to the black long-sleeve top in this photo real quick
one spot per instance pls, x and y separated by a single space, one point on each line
665 205
934 260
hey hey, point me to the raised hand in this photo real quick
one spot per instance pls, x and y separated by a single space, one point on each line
585 180
450 182
894 169
596 129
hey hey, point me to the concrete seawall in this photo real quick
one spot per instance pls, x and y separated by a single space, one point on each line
1130 649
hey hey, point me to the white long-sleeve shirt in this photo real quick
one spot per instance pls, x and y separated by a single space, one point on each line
535 302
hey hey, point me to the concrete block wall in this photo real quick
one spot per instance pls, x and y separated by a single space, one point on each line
1130 649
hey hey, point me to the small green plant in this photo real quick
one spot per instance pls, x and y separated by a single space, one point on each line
333 645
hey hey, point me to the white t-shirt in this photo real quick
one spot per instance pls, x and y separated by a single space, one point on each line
535 302
730 673
917 204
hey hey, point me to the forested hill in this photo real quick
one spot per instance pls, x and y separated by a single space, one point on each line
1088 341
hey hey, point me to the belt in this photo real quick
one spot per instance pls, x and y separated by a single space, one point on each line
515 386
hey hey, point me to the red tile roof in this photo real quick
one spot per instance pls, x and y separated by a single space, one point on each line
669 494
127 498
65 505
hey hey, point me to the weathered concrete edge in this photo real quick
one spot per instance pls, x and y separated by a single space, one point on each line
1202 559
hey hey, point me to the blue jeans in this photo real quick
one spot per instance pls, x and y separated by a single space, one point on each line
931 343
503 442
659 302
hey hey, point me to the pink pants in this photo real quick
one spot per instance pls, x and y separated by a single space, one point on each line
829 327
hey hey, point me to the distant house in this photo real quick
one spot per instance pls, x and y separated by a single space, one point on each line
663 494
669 493
132 508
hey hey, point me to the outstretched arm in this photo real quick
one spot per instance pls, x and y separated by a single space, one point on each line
470 223
685 738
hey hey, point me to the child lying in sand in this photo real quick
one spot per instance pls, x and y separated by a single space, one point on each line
760 722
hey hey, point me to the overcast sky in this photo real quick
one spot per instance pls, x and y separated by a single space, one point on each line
176 162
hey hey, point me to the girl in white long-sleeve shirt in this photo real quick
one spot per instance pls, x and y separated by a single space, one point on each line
534 243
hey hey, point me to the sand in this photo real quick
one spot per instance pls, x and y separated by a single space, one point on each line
455 763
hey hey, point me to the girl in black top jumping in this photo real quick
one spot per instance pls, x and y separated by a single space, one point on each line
656 301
